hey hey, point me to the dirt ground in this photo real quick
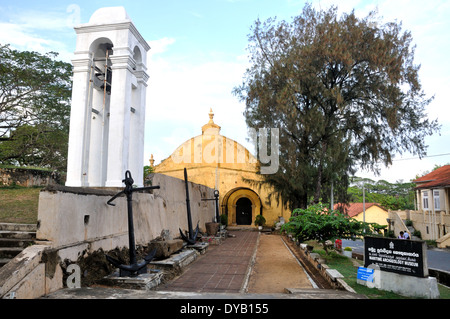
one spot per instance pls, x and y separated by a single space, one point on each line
275 268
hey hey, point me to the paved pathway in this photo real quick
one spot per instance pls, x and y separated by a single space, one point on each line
276 268
223 269
224 272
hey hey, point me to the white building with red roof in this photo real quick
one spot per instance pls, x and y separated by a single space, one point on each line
432 217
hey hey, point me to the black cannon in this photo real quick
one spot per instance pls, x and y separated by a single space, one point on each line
134 268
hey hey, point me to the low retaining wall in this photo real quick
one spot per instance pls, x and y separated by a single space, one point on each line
331 276
334 278
442 276
28 177
409 286
77 222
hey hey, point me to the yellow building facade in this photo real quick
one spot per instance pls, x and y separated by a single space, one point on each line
374 212
225 165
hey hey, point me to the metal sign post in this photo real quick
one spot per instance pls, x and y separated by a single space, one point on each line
216 198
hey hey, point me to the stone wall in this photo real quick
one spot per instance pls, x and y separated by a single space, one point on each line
27 177
76 222
68 215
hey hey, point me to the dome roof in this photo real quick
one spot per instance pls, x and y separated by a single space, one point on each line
210 149
109 15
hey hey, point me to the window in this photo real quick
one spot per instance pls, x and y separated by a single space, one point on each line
437 203
425 199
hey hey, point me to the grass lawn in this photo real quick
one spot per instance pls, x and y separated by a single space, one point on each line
349 267
19 204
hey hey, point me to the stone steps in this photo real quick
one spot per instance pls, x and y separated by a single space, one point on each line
16 242
13 239
17 234
18 227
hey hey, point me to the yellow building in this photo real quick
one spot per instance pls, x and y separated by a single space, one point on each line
374 213
225 165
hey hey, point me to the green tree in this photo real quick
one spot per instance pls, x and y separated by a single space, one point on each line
35 92
319 223
344 92
147 171
394 196
37 145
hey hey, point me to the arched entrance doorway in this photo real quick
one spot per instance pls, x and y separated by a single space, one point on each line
241 205
244 211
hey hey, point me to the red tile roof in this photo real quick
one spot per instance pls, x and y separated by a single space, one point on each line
437 178
353 209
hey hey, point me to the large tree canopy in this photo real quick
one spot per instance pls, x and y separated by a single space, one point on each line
344 92
35 93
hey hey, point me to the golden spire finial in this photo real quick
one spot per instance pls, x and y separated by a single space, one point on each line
211 125
152 161
211 115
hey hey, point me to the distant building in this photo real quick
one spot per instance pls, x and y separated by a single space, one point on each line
225 165
432 217
374 213
432 201
432 190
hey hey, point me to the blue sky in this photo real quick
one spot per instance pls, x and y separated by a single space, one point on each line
199 55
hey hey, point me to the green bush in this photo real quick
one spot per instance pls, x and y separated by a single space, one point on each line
224 219
317 222
417 233
260 220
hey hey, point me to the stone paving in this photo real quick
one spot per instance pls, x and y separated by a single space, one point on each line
223 269
223 272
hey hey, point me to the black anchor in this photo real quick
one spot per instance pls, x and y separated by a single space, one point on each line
192 236
134 268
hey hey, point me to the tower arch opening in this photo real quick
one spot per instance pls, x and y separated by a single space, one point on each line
99 101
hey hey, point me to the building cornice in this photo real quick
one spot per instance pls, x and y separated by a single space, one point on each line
126 25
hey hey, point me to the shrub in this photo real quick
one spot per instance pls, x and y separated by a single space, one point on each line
417 233
260 220
224 219
317 222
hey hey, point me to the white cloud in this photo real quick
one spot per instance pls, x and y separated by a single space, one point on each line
160 46
38 31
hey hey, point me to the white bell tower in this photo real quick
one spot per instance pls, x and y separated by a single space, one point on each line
107 116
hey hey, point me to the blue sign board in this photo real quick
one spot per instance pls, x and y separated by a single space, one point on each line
365 274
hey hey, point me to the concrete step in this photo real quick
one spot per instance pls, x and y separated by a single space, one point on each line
14 238
4 261
10 252
16 242
307 293
18 234
177 260
18 227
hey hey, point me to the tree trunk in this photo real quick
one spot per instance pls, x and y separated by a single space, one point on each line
319 174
